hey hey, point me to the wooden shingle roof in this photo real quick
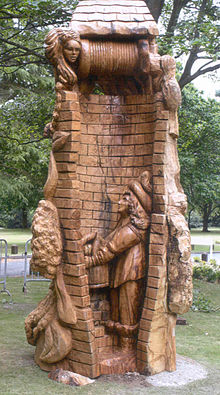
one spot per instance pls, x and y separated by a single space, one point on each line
124 18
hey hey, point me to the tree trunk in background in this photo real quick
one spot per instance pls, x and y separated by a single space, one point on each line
155 7
24 217
189 218
207 209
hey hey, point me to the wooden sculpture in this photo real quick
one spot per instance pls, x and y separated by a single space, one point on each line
120 275
124 248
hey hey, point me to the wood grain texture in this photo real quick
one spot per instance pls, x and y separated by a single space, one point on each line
117 362
125 244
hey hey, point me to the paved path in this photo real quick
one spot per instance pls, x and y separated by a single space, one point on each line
187 371
15 267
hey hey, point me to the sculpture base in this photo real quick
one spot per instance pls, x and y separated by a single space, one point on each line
119 362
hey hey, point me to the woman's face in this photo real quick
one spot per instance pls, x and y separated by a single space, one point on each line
71 50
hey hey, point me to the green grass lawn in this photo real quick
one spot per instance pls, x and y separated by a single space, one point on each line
200 339
16 236
19 374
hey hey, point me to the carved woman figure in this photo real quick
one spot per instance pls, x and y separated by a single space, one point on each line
124 250
63 48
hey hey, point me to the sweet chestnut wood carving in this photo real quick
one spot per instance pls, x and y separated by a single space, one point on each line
120 272
124 249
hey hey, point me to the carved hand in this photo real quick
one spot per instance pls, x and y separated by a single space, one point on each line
88 250
48 130
87 242
88 261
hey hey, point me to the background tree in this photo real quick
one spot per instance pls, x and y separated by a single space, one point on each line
199 153
23 154
190 30
24 24
26 91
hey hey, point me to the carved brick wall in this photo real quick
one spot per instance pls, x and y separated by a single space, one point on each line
118 139
154 351
117 136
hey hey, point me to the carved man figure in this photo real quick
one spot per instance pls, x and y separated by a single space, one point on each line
124 250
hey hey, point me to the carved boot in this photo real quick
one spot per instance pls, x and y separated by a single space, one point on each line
126 330
127 343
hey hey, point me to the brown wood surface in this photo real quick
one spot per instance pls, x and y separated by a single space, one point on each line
102 146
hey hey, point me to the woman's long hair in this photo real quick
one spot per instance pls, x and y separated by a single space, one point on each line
138 216
55 41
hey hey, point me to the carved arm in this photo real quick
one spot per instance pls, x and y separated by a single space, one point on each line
121 240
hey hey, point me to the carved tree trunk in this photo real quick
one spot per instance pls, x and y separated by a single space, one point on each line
102 144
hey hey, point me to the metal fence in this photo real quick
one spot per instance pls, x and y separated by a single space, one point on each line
5 258
33 276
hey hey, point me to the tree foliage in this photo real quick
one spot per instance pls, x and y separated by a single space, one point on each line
190 29
24 24
23 27
199 152
23 153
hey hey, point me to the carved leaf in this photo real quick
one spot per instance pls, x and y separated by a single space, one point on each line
46 242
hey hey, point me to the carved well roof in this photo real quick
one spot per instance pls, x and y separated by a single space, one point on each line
93 18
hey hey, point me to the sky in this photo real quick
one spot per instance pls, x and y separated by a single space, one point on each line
208 86
208 83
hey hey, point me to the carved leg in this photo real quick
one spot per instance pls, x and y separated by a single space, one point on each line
127 343
114 303
125 303
129 302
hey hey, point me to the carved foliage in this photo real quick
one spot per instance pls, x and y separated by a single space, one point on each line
46 243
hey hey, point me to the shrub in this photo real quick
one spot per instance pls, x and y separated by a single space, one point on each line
206 271
201 303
